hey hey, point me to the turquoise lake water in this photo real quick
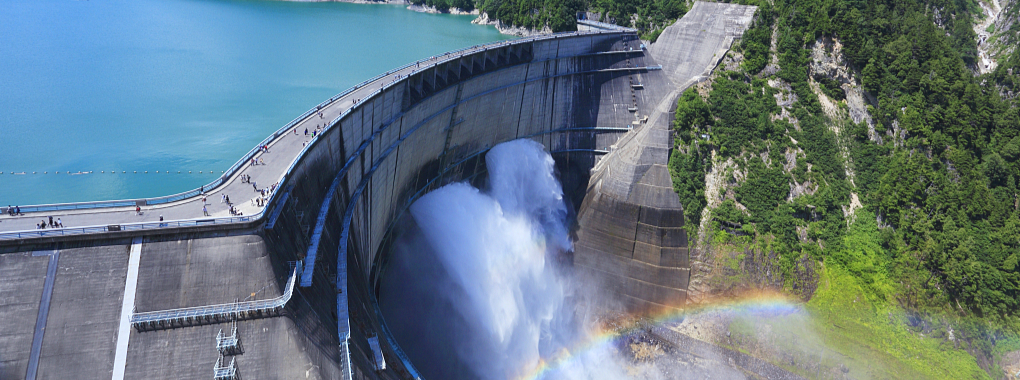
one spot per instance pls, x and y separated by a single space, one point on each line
180 85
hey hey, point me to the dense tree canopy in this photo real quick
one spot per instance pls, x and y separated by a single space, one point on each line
937 175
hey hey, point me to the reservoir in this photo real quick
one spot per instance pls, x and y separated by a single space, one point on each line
180 85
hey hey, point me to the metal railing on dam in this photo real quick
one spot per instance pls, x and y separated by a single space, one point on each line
147 226
214 313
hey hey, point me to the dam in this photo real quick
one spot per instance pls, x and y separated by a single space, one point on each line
180 287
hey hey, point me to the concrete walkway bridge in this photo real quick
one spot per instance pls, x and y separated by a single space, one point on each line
190 316
598 100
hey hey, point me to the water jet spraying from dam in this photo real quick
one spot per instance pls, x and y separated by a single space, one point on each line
476 290
499 296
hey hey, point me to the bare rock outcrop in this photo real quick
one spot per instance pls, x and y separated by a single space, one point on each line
520 31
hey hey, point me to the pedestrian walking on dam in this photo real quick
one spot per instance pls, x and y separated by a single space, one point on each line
205 211
51 221
59 223
138 210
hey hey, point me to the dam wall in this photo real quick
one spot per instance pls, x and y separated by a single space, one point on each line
336 208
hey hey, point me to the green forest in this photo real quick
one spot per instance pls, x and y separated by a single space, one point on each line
938 228
649 16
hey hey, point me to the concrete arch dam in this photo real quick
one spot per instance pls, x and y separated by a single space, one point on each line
597 101
575 94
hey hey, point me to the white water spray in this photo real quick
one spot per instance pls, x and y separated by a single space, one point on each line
495 248
479 294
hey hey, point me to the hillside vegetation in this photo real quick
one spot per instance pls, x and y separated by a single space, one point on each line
648 16
931 163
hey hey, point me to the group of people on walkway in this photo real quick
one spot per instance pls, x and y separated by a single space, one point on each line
315 132
14 211
51 223
230 205
224 198
264 195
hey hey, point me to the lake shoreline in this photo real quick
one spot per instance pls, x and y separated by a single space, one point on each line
481 17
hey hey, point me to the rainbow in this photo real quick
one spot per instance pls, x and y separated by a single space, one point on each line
759 304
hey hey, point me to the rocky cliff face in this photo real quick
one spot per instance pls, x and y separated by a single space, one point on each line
996 37
483 19
452 11
827 62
